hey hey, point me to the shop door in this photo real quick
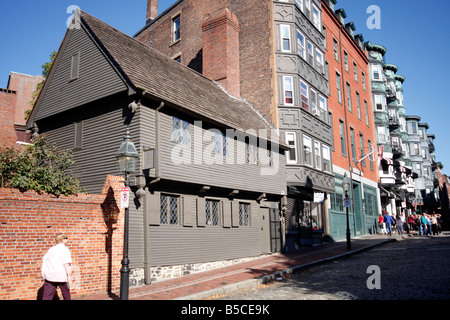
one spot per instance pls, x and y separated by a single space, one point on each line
358 210
275 230
264 235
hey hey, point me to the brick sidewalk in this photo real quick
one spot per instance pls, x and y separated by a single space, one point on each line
242 275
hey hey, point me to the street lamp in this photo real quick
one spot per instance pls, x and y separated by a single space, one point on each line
127 158
346 185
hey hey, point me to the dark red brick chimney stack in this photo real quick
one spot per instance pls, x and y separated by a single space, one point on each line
152 9
221 50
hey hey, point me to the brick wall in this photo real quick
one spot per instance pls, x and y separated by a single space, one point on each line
7 112
256 45
352 120
29 223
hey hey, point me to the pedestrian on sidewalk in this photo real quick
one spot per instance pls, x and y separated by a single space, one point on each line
434 226
382 224
411 223
428 224
419 224
423 224
439 222
56 269
388 221
399 223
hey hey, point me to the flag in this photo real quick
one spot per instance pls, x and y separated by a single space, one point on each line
380 151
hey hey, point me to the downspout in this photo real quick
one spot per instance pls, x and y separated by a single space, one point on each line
147 275
157 146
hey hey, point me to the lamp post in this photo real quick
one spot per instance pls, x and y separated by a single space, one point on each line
346 185
127 158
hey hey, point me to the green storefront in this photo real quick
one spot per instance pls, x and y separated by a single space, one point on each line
362 216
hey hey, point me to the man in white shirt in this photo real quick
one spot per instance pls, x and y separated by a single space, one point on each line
56 269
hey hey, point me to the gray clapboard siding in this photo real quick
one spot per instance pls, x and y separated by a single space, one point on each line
97 78
235 176
174 245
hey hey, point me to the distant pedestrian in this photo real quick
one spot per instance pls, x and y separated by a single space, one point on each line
388 221
382 224
439 222
434 224
423 224
399 223
411 222
56 269
428 224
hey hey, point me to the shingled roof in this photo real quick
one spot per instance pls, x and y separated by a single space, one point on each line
163 78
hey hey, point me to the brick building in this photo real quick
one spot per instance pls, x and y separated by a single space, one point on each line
354 140
14 102
271 54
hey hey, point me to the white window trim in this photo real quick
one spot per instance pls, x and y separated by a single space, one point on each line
376 68
288 28
380 98
317 157
291 137
306 96
307 144
317 24
326 157
301 45
176 37
319 59
286 80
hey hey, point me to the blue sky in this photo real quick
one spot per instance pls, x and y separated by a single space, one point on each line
415 33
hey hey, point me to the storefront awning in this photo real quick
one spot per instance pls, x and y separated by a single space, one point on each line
388 160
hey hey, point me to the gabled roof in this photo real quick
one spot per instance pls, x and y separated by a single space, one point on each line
170 81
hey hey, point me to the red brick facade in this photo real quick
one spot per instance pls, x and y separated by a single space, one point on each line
8 100
360 94
29 223
14 101
221 50
256 45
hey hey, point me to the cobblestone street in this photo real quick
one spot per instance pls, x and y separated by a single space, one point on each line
413 268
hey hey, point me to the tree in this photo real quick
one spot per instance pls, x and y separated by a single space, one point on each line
45 71
40 167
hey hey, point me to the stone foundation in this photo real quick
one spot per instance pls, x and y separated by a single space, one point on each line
161 273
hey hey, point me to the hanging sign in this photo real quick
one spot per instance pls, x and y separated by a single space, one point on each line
124 197
319 197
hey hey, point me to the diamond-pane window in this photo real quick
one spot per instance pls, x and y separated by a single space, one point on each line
169 209
212 213
181 131
243 214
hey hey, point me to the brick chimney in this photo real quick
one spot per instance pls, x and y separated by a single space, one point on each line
152 9
220 32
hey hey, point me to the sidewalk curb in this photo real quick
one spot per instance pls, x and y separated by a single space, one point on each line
253 283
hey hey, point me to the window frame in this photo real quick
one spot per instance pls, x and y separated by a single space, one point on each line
286 89
244 216
317 155
211 216
283 28
326 158
291 137
301 45
169 220
307 151
176 28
